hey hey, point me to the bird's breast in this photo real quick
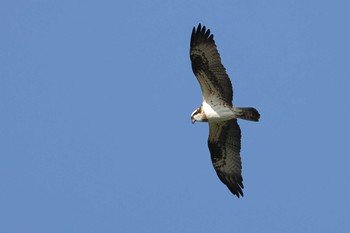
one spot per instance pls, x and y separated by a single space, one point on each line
218 112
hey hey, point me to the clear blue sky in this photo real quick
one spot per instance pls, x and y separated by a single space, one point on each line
95 104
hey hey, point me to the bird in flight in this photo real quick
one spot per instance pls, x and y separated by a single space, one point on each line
224 140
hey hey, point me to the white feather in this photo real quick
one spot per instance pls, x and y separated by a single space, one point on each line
218 112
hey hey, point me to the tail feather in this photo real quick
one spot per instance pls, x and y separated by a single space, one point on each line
250 114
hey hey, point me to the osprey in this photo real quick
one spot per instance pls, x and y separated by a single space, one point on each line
224 140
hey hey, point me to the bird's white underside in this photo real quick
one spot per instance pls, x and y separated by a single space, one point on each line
218 112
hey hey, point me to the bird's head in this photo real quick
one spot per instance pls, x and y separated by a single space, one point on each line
198 115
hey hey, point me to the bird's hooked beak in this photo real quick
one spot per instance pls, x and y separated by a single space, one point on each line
193 120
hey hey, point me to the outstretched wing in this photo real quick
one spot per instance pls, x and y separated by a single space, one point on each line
207 67
224 145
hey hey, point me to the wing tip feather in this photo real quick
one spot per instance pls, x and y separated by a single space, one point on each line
234 184
201 35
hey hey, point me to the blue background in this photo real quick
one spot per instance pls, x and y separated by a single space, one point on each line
95 104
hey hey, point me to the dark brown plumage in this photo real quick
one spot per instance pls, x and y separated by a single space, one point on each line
207 66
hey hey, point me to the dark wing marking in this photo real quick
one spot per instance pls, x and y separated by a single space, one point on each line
207 66
224 145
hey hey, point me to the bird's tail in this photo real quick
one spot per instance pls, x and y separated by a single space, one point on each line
250 114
